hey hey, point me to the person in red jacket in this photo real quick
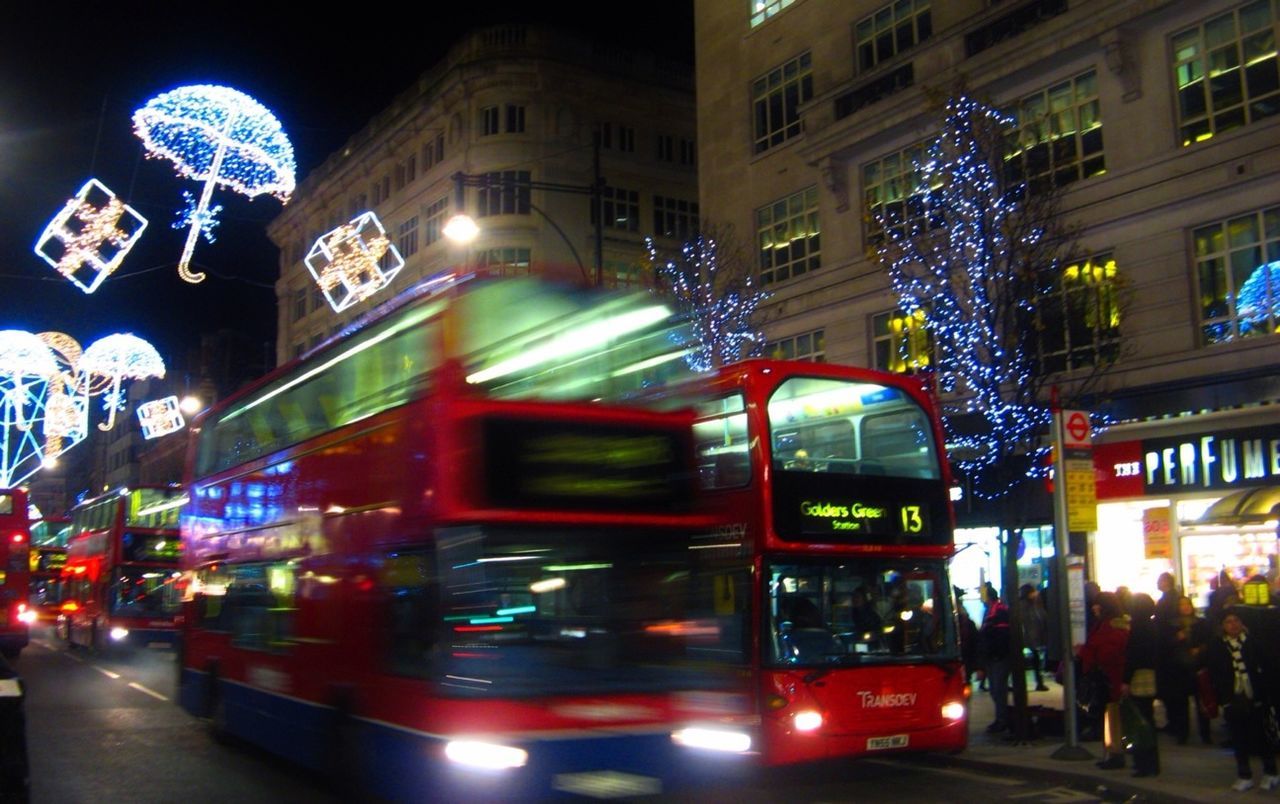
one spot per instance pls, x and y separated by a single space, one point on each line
1104 649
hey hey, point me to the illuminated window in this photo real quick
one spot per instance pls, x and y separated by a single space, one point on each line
505 261
1238 267
1227 72
892 197
409 237
788 236
507 193
620 274
811 346
776 97
1058 135
895 28
435 218
762 10
1078 315
901 342
619 209
674 217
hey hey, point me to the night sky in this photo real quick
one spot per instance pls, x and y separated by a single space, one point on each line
71 77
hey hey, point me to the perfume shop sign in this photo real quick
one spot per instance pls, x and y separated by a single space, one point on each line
1218 460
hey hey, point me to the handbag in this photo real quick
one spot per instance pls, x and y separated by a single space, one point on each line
1142 683
1270 727
1207 699
1139 733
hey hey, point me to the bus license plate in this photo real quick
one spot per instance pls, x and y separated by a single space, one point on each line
881 743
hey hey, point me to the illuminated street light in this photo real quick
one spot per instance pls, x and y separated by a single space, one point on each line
462 228
191 404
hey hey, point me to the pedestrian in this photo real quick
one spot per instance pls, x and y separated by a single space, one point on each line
1222 596
1034 630
1141 658
1167 605
1104 651
1242 674
968 637
1183 642
993 640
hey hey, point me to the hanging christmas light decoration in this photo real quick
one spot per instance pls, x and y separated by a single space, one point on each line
91 236
66 418
117 358
354 261
219 136
160 417
26 366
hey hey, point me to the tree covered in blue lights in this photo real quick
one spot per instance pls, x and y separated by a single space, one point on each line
712 287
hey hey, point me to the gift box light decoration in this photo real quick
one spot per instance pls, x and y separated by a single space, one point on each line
354 261
91 236
160 417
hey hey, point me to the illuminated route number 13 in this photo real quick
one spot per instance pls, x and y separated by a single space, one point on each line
912 522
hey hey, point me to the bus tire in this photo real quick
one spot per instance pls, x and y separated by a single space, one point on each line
216 708
344 763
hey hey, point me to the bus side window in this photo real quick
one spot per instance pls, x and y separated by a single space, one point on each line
412 612
260 606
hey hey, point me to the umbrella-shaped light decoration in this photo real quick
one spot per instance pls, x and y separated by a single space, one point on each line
116 358
26 366
216 135
1258 302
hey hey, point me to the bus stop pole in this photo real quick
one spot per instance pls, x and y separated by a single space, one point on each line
1071 749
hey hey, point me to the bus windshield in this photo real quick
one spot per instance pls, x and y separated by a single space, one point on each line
839 426
845 610
523 612
142 592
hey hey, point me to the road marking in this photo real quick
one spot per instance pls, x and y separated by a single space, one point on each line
105 671
1058 794
72 657
135 685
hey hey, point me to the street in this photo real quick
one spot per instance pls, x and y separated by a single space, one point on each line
107 728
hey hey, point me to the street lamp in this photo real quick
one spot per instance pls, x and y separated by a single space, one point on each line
462 228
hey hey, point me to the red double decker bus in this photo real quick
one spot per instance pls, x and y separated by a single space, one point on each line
48 556
835 479
121 579
15 572
418 560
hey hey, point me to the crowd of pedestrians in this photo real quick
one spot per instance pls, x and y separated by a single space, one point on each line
1139 650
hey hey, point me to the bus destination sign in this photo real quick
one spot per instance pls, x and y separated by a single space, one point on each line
553 464
861 518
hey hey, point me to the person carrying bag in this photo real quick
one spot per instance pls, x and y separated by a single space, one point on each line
1243 682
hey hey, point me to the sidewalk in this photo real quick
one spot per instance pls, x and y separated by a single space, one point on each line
1191 772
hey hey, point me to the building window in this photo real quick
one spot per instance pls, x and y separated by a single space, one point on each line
892 197
626 139
776 97
409 237
433 152
811 346
317 298
666 148
688 152
900 342
505 261
1227 72
299 304
893 29
1078 315
604 135
1058 135
619 208
674 217
1238 266
508 193
762 10
489 121
435 218
411 167
620 274
515 119
788 235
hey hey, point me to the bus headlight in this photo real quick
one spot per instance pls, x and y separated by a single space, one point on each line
485 756
734 742
119 633
808 720
953 710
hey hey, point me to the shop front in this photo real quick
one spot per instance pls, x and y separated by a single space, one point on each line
1194 496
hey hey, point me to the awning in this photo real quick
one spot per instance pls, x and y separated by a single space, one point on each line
1244 507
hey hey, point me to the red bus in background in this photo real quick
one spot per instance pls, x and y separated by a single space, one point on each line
48 556
122 572
15 572
835 479
419 562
